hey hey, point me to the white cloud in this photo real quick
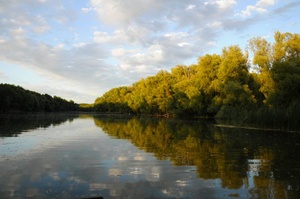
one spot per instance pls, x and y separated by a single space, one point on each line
145 29
190 7
211 43
76 67
86 10
224 4
118 52
129 35
251 9
215 24
259 7
101 37
265 3
120 12
41 25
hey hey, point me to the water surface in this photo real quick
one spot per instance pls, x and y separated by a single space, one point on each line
81 156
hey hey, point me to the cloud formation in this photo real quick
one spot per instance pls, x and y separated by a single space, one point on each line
85 49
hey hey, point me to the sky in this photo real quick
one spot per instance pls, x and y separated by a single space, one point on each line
79 49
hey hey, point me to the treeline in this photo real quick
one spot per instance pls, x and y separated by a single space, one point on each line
17 99
262 81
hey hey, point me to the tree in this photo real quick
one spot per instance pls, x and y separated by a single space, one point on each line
286 47
206 80
270 60
15 98
233 78
286 75
187 95
220 85
115 100
262 53
206 72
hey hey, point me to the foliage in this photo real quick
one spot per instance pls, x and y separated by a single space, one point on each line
219 85
17 99
86 107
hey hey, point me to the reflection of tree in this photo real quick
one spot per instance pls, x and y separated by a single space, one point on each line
225 154
278 175
12 125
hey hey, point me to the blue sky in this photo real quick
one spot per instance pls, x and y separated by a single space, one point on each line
81 49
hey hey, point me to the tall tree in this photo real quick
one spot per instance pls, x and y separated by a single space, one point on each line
262 53
262 60
233 77
286 46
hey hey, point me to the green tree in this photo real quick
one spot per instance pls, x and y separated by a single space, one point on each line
232 79
15 98
286 46
262 53
207 80
287 77
187 94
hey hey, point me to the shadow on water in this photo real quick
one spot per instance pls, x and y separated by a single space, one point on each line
266 163
14 124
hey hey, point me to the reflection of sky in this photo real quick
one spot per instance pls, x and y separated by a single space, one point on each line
78 160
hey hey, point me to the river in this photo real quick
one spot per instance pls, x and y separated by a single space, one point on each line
86 156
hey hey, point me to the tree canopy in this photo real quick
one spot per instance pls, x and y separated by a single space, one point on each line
265 75
261 81
17 99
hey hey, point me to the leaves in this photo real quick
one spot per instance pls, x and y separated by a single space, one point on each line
219 80
15 98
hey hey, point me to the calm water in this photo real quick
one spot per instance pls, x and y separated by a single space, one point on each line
82 156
